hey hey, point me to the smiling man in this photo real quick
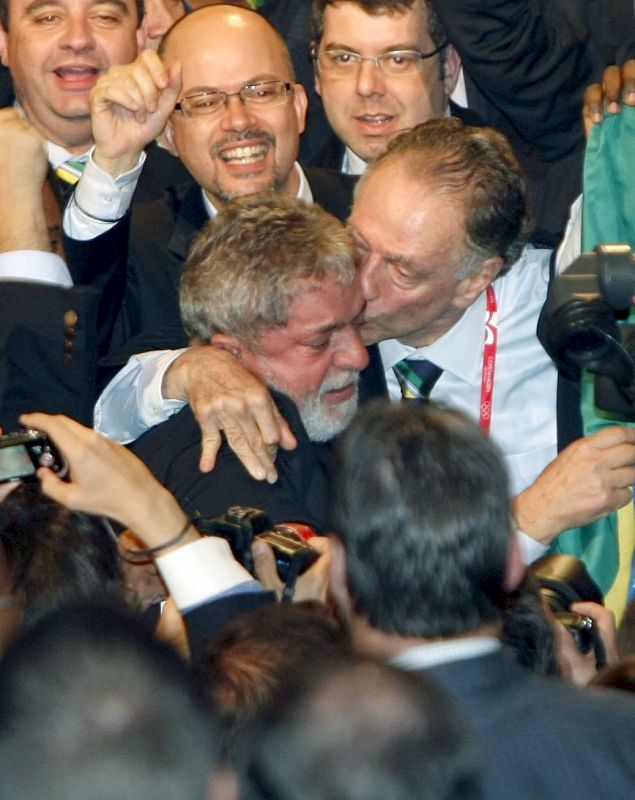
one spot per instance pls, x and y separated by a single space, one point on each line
223 89
273 281
56 50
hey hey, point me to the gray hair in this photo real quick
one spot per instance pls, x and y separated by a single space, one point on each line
248 263
478 167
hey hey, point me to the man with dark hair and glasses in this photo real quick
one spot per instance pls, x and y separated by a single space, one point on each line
380 67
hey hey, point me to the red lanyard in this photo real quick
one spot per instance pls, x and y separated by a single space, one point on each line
489 360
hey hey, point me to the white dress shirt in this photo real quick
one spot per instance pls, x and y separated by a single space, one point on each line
523 421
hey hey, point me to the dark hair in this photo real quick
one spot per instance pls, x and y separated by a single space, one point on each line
92 706
55 555
4 13
248 666
356 729
423 512
436 30
527 630
478 167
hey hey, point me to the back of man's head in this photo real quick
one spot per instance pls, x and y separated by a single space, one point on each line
251 260
477 168
423 513
92 707
360 730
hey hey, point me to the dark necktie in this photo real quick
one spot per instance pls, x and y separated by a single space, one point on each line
416 378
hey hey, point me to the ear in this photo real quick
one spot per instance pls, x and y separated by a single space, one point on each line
316 72
475 284
300 104
515 568
167 139
451 70
142 34
227 342
4 56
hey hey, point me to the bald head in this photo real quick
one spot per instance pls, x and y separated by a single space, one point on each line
215 18
244 146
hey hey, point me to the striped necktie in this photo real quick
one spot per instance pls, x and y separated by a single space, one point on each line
70 171
416 378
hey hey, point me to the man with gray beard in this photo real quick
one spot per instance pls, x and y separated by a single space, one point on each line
272 281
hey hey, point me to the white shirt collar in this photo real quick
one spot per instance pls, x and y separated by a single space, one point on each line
459 350
304 193
352 164
434 653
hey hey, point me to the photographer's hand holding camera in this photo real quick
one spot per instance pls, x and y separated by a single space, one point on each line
581 668
106 479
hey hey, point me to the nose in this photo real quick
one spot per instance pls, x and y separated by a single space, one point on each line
159 17
236 115
370 79
78 34
352 355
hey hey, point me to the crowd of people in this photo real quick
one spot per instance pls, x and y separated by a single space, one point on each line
298 261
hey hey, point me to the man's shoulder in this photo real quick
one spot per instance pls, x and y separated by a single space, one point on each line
332 189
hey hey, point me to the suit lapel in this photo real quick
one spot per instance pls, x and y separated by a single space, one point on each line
190 217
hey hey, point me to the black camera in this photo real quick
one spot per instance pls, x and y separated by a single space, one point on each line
240 525
22 453
563 580
583 324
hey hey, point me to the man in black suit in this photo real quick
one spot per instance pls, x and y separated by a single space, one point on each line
423 554
273 281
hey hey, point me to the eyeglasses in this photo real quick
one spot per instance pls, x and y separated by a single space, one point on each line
210 101
394 63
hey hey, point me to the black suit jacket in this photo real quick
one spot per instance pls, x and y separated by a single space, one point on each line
526 66
544 739
48 351
172 451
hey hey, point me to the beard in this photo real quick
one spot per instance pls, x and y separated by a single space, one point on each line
323 420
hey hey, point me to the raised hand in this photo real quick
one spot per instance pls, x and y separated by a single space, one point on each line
130 106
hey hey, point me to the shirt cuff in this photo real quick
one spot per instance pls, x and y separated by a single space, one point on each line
202 571
36 266
132 401
99 200
531 550
153 407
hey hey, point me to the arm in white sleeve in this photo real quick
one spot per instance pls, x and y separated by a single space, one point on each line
37 266
202 571
132 402
99 200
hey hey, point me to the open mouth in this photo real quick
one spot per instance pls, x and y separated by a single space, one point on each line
375 119
77 74
245 154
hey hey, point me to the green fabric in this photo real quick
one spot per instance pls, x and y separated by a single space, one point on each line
608 218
